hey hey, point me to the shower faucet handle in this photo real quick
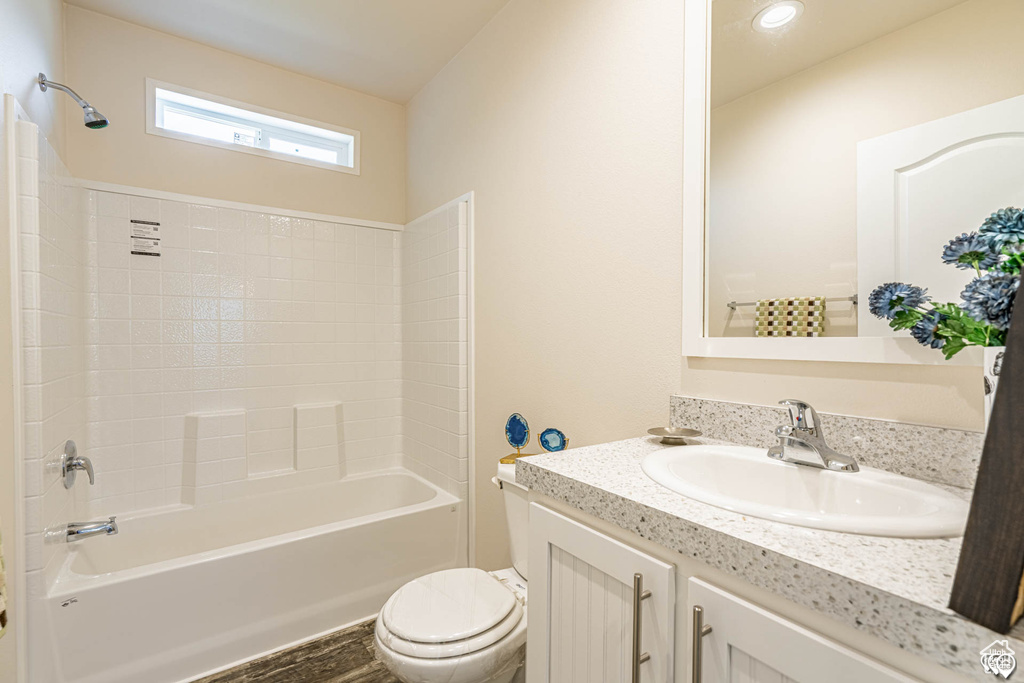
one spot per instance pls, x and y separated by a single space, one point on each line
71 462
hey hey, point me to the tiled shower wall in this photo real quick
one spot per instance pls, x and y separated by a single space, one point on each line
242 311
435 401
53 334
258 351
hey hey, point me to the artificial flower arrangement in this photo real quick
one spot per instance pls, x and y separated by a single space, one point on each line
996 253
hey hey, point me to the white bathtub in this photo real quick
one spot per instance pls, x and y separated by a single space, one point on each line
177 595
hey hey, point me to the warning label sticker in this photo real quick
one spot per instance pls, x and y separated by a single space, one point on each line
145 238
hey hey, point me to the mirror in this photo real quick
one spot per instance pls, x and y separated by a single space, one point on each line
848 142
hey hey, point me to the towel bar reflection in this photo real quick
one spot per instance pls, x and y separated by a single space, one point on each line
855 299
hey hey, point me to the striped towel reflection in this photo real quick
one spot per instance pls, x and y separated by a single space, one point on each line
798 317
3 591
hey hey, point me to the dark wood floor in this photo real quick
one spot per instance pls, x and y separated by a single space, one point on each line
345 656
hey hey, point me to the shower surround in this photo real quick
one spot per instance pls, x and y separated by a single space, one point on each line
262 352
203 361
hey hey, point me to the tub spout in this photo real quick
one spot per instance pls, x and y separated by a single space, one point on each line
80 530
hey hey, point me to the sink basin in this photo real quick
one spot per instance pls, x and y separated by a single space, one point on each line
747 481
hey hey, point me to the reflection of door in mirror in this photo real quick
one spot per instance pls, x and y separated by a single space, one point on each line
912 100
920 186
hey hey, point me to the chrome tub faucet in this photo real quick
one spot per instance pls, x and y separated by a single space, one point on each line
803 443
78 531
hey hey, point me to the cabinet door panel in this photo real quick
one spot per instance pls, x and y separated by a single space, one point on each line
748 644
581 606
746 669
590 621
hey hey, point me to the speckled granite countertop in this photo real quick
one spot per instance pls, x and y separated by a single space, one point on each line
896 589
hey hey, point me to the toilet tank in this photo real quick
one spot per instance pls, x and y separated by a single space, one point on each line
517 515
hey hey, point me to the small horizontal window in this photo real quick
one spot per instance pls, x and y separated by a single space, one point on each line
185 114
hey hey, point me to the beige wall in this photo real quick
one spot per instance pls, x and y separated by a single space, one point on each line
108 62
809 125
564 118
31 40
940 395
569 134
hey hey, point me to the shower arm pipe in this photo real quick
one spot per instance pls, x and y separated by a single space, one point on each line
45 83
93 119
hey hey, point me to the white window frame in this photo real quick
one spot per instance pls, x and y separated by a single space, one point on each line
293 135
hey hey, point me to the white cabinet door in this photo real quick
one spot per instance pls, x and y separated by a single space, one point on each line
748 644
582 605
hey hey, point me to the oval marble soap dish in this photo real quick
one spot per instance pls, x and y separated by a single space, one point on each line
673 436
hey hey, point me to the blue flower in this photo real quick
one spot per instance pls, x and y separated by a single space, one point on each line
925 330
971 251
989 299
889 299
1005 226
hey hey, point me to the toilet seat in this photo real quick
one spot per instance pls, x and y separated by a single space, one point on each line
450 613
497 664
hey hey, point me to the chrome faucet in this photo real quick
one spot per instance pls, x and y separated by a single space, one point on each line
81 530
803 443
71 462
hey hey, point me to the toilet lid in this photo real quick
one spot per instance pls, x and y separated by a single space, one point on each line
508 635
447 606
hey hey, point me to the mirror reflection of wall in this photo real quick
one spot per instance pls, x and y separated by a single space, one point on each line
795 109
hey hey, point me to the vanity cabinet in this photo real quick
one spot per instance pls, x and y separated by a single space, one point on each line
586 589
748 644
582 606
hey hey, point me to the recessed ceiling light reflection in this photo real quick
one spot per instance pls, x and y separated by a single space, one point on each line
778 14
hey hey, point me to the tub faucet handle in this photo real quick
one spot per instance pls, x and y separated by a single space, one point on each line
71 462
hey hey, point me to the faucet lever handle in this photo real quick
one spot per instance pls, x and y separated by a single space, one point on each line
84 463
798 413
71 461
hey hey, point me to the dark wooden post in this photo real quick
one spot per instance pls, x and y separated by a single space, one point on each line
988 576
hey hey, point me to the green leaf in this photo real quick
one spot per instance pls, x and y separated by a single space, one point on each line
953 328
978 337
953 347
904 320
1014 262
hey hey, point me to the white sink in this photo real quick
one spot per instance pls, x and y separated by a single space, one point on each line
747 481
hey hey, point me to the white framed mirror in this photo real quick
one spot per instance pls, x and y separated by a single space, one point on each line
830 147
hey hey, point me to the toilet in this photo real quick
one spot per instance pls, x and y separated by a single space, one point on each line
462 625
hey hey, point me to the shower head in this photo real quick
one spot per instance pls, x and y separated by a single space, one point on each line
93 119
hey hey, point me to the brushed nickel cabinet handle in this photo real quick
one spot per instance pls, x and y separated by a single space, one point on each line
700 629
639 595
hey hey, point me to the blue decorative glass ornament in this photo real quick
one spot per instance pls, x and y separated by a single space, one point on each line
552 440
517 431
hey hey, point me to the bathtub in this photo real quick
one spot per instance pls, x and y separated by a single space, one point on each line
181 594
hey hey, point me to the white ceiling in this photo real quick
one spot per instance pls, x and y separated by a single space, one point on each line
744 60
387 48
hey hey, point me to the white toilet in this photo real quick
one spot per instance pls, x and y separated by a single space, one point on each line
462 625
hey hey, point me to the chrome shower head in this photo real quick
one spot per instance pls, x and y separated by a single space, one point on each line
93 119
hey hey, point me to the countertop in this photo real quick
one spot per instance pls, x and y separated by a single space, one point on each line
896 589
